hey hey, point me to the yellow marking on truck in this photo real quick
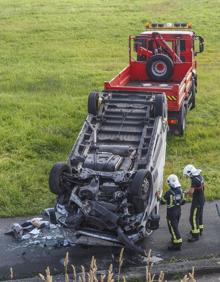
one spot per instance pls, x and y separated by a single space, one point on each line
172 98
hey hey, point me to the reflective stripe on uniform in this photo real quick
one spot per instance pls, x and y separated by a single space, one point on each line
163 200
183 193
171 202
175 240
195 230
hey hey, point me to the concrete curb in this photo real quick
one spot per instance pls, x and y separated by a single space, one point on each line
176 269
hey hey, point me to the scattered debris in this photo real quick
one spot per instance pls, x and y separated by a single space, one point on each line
155 259
38 231
16 231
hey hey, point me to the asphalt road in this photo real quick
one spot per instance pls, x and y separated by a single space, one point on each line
27 262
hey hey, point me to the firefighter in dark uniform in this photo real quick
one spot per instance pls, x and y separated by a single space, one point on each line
174 198
196 191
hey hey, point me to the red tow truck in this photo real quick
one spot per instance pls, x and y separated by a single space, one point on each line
162 60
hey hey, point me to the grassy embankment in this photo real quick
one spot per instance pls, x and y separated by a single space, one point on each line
53 53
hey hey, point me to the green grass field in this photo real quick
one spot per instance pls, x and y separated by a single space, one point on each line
53 53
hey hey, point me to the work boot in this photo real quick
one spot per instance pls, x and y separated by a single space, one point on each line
193 239
174 248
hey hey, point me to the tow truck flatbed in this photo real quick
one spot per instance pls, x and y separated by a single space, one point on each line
130 80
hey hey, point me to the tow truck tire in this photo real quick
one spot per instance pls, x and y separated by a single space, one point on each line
193 95
160 67
140 189
159 105
181 121
55 178
93 103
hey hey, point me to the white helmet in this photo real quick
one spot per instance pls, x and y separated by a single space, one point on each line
173 181
189 170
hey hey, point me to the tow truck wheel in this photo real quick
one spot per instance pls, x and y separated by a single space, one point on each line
93 103
159 67
181 121
139 190
193 95
55 178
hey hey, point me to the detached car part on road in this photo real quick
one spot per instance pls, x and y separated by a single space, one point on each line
106 192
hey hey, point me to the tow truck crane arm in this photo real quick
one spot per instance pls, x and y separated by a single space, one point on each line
158 44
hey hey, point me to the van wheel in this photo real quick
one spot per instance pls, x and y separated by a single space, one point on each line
160 105
56 184
93 103
140 190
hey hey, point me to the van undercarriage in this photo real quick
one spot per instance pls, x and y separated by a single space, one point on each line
107 189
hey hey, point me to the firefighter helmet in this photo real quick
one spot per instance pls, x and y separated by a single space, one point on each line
189 170
173 181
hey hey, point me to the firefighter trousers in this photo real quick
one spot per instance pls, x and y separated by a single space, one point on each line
173 219
196 219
